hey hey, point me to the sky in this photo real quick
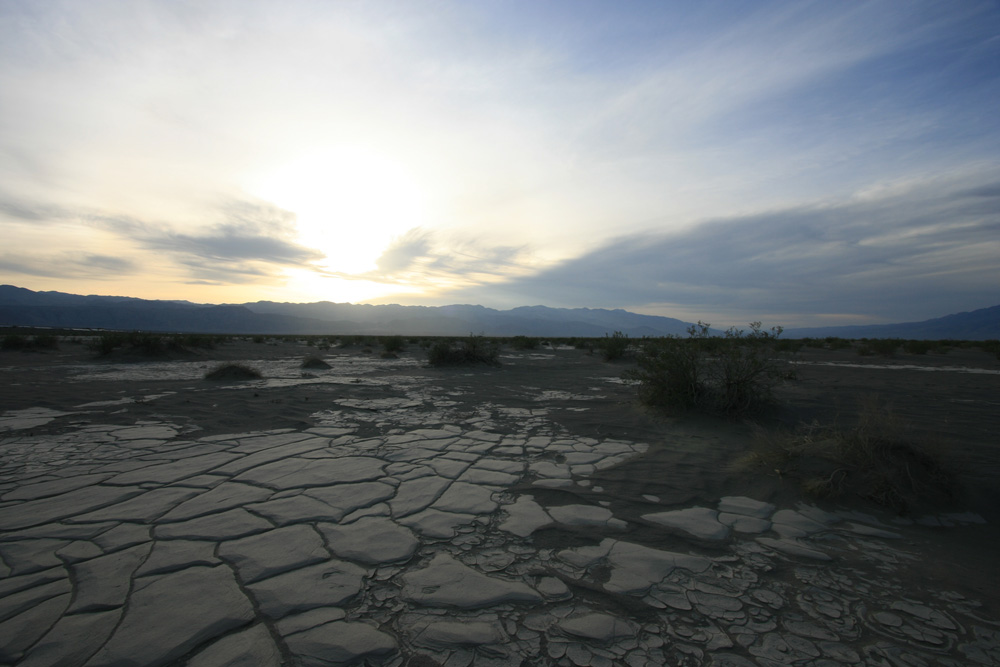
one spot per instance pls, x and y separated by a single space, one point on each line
801 163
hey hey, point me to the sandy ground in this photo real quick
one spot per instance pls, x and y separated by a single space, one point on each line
949 399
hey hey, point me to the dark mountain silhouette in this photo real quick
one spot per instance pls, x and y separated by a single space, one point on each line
24 307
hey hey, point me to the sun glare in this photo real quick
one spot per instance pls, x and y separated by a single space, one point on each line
349 202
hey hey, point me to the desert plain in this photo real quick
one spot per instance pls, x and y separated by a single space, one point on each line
385 512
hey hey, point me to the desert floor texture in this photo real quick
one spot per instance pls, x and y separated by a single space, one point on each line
383 512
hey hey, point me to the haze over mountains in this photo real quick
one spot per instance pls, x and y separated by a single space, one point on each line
24 307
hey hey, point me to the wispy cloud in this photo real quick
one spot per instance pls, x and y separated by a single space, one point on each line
869 258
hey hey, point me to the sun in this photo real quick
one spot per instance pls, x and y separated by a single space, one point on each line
350 203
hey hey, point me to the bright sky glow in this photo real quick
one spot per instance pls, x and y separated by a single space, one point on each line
797 162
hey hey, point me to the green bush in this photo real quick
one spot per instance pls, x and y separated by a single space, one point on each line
233 371
874 459
314 361
615 346
393 344
918 346
523 343
733 375
14 342
884 346
470 351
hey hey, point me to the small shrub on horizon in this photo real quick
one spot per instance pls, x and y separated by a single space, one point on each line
233 372
615 346
884 346
873 459
733 375
523 343
393 344
470 351
314 361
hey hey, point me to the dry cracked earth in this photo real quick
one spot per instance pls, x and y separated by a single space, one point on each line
413 517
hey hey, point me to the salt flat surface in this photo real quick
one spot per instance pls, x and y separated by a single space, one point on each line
330 545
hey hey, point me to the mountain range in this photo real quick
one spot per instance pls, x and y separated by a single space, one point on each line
24 307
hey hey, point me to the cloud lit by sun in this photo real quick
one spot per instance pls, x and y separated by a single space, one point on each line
350 203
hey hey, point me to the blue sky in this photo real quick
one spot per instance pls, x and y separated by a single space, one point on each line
801 163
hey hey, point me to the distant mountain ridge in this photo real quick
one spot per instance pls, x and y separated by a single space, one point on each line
981 324
24 307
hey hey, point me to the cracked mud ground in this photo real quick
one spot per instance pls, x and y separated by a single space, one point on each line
384 513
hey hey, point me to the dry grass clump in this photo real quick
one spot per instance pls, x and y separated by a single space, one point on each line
314 361
233 371
873 460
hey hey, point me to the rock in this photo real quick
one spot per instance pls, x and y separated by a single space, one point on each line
793 548
370 540
598 627
746 507
24 600
350 497
635 567
553 588
323 585
173 614
165 473
524 517
54 487
229 525
72 640
446 582
441 525
416 494
584 515
466 498
339 643
309 619
223 497
790 524
173 555
699 522
250 648
445 635
295 473
296 509
144 508
272 454
71 503
276 551
21 631
103 583
744 524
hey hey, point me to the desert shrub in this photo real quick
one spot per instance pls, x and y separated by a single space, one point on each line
872 459
259 340
14 342
393 344
835 343
787 345
670 371
470 351
523 343
991 347
615 346
885 347
233 371
313 361
733 375
918 346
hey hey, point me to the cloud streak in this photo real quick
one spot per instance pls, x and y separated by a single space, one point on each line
867 258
